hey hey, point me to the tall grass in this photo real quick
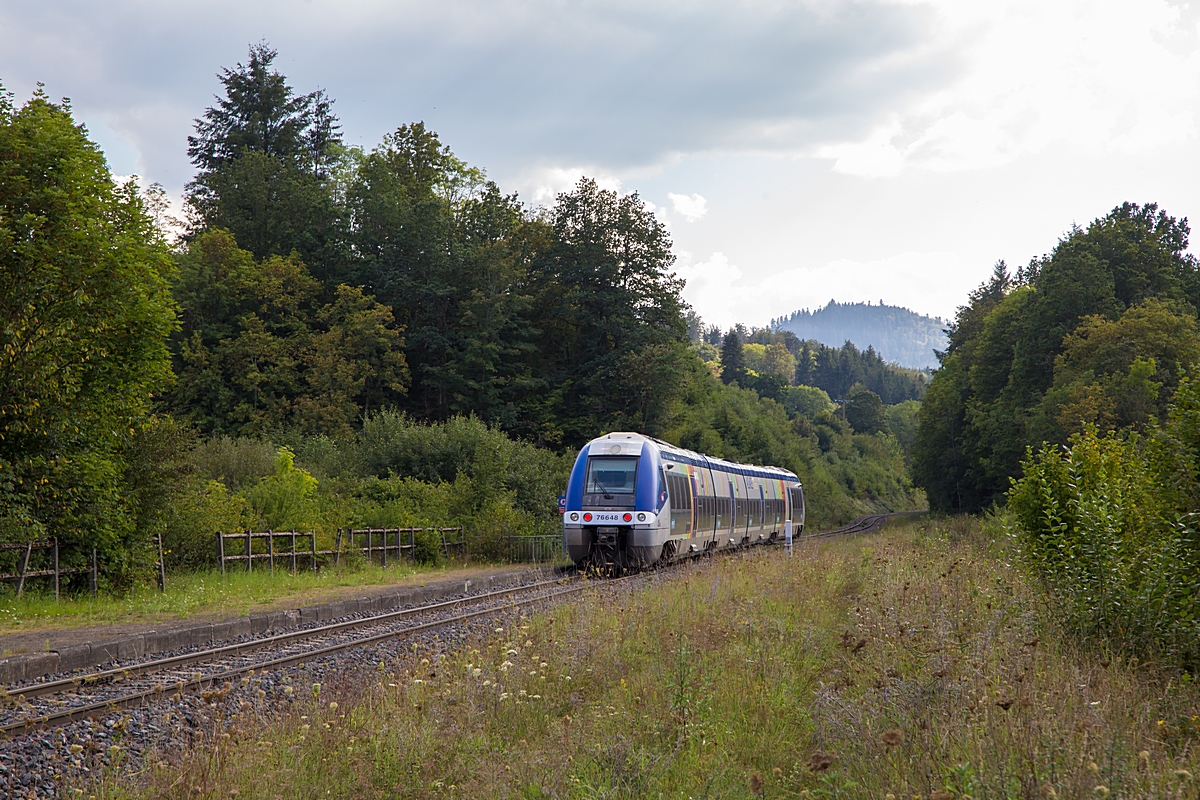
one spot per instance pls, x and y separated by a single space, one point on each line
913 664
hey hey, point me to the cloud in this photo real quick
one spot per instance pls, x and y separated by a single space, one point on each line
1097 76
929 283
691 206
516 86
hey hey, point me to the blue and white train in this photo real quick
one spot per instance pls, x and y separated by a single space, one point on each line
633 501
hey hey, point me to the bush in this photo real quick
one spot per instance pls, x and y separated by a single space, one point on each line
287 499
238 463
1099 521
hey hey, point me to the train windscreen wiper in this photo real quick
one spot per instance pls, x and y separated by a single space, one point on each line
596 480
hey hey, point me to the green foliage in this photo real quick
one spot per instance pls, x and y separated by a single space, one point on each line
84 315
261 351
1115 541
267 158
865 412
844 474
840 370
1096 333
237 463
286 500
733 368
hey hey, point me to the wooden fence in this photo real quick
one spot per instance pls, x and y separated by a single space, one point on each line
282 546
289 554
24 573
375 541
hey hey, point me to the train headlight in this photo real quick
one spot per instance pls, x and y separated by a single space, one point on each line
587 517
628 517
641 517
574 518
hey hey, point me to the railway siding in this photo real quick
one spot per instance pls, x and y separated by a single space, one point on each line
68 658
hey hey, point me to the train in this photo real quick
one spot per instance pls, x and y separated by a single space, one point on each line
633 501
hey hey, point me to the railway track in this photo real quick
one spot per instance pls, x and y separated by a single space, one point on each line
63 701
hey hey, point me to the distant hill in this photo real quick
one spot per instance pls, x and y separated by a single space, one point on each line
897 334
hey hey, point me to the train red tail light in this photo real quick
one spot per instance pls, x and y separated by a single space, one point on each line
628 517
587 517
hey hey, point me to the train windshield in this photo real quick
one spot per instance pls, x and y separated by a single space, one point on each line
611 475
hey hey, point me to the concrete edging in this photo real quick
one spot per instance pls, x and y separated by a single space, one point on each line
69 658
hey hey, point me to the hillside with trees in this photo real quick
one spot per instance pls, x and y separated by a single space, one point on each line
350 337
1097 334
899 335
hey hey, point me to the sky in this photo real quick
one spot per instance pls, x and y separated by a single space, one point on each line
877 150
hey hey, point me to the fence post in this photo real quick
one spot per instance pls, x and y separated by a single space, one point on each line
221 550
337 548
271 551
23 570
293 534
162 565
56 569
312 539
95 576
412 545
384 561
249 550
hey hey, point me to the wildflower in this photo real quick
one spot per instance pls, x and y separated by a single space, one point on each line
115 750
756 782
288 690
333 706
1093 768
261 694
424 662
504 695
499 630
76 749
316 690
511 652
544 665
535 697
487 683
504 667
477 672
892 738
1143 760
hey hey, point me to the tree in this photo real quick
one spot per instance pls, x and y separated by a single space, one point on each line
1096 332
259 351
864 412
85 312
267 158
604 291
733 369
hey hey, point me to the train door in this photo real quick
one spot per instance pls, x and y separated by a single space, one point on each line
680 492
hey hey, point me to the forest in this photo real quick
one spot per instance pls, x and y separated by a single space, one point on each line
343 337
1066 404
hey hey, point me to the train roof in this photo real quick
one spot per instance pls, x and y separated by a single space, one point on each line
670 452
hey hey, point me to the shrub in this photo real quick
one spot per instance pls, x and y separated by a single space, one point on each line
287 499
1096 521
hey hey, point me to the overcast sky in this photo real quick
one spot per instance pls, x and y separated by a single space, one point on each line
799 151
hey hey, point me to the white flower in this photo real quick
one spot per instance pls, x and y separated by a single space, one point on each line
476 672
504 667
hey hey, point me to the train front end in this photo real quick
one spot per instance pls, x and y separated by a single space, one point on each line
616 513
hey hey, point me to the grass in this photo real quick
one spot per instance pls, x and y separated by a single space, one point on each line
913 664
197 594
